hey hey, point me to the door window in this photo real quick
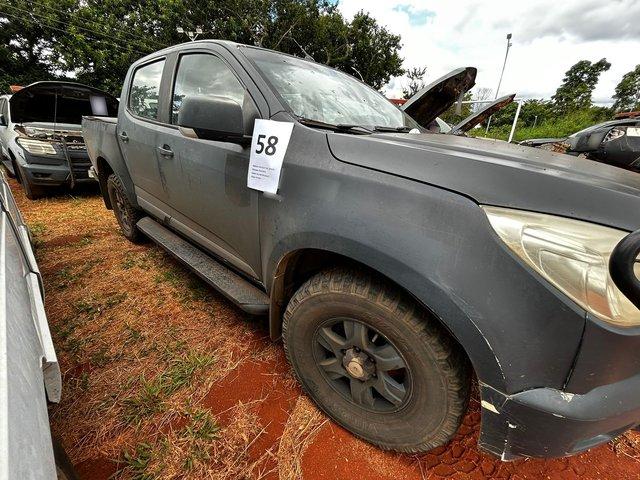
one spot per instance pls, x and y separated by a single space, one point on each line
145 90
204 74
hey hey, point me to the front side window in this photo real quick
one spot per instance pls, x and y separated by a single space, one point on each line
204 74
145 90
317 92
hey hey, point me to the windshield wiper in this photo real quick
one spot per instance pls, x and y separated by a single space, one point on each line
382 128
341 127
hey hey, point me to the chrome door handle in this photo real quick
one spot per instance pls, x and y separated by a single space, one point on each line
124 137
165 151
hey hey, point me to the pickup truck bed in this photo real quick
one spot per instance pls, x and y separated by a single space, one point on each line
29 371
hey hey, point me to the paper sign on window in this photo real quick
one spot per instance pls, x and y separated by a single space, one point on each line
268 147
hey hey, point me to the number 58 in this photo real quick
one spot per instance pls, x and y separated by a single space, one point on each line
270 147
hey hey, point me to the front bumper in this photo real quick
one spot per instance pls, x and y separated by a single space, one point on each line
52 171
545 422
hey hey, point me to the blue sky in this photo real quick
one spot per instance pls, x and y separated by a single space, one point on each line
548 37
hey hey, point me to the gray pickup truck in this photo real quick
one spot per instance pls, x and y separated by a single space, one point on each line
395 263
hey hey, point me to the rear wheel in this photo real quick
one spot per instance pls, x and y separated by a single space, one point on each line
126 214
375 362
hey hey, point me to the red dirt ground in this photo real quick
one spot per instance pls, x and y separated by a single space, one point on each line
266 387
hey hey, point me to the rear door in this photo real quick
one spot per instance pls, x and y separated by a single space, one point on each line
138 128
206 181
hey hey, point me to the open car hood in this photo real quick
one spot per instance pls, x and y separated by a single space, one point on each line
479 117
60 102
437 97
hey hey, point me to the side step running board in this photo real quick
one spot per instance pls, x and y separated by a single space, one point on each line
241 292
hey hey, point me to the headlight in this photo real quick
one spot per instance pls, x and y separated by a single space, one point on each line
614 134
572 255
36 147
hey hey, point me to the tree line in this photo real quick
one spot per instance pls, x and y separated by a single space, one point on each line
95 41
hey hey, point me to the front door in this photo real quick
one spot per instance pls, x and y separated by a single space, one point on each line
206 181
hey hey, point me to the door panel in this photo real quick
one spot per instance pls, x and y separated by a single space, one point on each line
205 181
138 130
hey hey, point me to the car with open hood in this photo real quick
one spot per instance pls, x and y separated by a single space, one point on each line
41 140
396 264
429 102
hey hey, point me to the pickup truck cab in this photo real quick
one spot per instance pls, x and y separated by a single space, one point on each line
393 262
41 140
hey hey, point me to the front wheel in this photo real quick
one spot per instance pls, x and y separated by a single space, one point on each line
375 362
126 214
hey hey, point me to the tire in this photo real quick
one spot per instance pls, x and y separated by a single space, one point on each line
33 192
426 375
14 164
6 168
126 214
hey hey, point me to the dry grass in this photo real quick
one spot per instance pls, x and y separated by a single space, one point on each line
157 376
303 425
141 342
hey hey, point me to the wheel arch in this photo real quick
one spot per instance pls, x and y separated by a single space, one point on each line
106 167
294 267
104 170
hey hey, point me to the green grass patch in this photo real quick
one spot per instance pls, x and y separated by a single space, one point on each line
152 393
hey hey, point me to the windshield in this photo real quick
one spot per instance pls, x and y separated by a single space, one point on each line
317 92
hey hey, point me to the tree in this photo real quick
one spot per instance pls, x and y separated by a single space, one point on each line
28 35
578 85
415 76
95 41
628 91
451 115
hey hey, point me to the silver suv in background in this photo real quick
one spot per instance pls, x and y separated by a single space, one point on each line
41 141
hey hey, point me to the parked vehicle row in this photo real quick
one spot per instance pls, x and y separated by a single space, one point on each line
392 261
41 141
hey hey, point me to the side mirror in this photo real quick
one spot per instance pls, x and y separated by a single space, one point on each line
3 121
212 118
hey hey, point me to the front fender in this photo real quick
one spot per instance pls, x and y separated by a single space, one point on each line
446 306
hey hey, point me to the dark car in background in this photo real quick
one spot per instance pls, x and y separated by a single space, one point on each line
616 142
41 140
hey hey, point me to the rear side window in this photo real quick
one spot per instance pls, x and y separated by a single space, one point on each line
204 74
145 90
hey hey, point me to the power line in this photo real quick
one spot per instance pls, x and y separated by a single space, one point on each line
67 24
16 17
157 45
123 42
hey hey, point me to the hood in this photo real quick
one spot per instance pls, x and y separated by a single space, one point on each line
479 117
437 97
60 102
501 174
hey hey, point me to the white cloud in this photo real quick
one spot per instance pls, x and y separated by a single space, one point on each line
548 37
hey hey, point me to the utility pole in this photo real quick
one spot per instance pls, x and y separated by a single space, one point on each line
506 55
192 35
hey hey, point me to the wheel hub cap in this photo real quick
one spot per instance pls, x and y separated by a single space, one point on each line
358 364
